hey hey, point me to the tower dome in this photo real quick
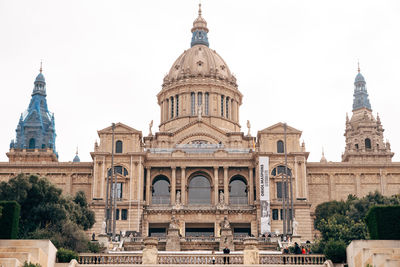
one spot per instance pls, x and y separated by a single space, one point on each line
200 60
199 86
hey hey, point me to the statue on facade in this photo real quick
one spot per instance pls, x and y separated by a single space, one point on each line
103 227
199 112
225 223
248 127
295 224
178 198
174 224
150 126
221 197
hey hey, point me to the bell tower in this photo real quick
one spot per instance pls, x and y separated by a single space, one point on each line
364 133
35 133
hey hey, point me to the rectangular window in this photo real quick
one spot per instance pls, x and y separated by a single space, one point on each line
193 104
117 214
275 214
206 104
222 105
279 190
118 190
227 108
172 107
124 214
177 105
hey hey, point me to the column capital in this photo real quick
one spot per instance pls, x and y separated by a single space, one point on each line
215 167
183 167
226 168
173 167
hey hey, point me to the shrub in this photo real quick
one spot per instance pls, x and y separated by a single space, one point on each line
26 264
94 247
66 255
383 222
335 251
9 220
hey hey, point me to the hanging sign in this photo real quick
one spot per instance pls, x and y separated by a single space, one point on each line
265 218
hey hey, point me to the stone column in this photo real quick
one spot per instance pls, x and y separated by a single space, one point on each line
250 252
257 184
226 186
150 252
216 197
173 185
251 186
148 182
183 185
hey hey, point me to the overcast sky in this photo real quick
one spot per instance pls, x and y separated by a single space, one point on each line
295 62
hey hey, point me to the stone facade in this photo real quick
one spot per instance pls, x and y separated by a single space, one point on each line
201 168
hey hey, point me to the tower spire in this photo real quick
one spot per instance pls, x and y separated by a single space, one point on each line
358 63
41 61
361 99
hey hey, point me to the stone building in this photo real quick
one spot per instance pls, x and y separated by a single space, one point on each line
199 167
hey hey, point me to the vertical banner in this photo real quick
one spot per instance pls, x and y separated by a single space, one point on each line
264 195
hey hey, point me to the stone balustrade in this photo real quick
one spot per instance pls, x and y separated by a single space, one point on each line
199 259
117 258
292 259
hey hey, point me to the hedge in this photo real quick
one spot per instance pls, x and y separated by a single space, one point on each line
66 255
9 219
383 222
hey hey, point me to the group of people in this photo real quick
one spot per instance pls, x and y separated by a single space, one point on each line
298 249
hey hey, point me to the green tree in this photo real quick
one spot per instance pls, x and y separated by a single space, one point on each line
46 213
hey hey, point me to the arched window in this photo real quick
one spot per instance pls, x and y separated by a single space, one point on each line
280 147
238 191
206 104
227 108
160 193
193 104
32 143
367 143
172 107
199 99
222 105
356 145
120 170
118 146
177 105
199 190
281 169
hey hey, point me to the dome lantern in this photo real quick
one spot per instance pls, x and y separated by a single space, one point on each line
199 31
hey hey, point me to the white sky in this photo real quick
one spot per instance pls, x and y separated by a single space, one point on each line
295 62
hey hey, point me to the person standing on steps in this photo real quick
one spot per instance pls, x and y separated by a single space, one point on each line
226 250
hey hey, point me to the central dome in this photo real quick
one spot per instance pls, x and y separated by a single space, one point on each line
199 87
200 61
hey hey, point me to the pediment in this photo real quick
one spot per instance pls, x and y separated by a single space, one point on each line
278 128
199 131
120 128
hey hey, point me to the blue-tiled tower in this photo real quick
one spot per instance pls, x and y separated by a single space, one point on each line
360 93
36 129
